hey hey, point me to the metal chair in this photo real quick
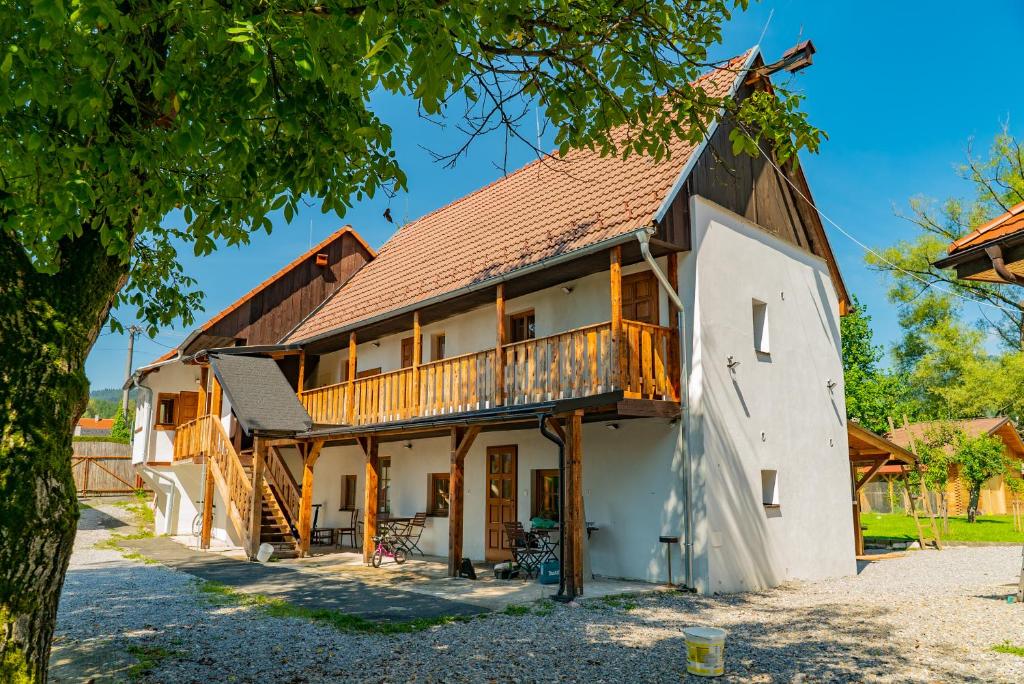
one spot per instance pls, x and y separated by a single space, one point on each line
413 531
349 530
527 550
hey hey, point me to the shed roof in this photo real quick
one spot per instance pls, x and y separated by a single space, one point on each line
260 396
548 208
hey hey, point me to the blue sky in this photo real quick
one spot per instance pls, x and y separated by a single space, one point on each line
900 88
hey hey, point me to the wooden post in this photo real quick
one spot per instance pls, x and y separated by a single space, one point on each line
674 370
858 534
204 401
350 400
216 399
575 525
371 482
207 528
462 440
616 331
417 355
302 372
309 459
499 353
256 502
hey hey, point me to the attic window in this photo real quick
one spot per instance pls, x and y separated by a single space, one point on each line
321 259
760 311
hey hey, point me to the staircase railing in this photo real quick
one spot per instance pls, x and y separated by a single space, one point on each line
230 476
283 486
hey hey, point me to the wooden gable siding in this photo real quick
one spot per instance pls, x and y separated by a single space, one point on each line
749 186
268 315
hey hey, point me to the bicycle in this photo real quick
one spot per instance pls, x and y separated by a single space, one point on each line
197 522
388 546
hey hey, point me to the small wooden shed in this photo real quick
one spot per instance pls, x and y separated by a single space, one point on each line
869 453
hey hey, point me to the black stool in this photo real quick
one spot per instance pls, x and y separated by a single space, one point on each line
669 541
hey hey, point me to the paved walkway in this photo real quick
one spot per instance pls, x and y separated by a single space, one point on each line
302 588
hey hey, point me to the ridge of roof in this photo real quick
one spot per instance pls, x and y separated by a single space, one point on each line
559 231
973 237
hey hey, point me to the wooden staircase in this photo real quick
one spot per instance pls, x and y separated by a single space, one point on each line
274 526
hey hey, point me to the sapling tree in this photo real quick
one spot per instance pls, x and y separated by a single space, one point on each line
934 451
131 128
979 458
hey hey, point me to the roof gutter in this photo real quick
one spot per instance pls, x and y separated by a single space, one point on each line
620 239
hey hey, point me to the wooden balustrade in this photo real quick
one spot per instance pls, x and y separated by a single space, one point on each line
191 439
646 351
229 475
284 485
572 364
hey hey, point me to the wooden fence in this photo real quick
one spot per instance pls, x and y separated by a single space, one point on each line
104 468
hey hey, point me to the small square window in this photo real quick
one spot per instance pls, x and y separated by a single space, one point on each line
166 410
770 488
760 310
437 347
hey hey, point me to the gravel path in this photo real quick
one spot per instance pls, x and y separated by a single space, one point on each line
924 618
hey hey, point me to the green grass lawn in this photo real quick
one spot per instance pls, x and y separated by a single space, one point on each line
988 528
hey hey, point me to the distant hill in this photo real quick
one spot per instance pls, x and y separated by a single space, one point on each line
105 402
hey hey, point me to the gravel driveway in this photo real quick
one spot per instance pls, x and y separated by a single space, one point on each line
928 617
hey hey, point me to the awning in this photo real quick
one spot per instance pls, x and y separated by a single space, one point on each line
261 397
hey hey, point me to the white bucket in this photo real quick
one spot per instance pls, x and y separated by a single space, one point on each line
264 553
705 651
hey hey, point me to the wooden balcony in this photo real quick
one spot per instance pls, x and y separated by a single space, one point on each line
587 361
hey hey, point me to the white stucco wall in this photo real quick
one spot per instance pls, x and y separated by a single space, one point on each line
150 444
771 412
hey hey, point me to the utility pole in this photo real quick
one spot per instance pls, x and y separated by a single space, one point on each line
133 330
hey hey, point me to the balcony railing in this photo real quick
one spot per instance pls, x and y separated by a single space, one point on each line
573 364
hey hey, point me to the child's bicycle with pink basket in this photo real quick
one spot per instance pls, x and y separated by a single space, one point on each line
388 546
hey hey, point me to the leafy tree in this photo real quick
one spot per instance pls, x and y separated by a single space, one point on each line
998 182
980 458
131 129
872 395
122 429
934 451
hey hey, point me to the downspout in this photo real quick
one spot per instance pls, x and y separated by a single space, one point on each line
542 424
995 255
684 389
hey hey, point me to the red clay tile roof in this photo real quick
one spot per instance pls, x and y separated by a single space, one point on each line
1010 222
297 261
96 423
548 207
1000 425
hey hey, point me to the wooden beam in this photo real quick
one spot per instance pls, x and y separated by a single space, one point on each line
417 356
555 426
216 400
207 528
461 441
309 459
616 303
868 476
648 408
858 534
204 399
302 372
370 484
499 354
674 371
351 395
572 555
256 501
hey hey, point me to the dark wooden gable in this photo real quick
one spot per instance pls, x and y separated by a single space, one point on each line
270 312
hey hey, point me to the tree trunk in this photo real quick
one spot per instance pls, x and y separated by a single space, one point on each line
48 323
972 505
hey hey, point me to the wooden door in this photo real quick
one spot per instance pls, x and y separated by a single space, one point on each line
501 466
640 297
188 406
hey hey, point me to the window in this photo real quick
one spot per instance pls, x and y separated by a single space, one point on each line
770 488
437 347
166 411
760 327
348 493
640 297
369 372
544 499
384 487
521 326
437 493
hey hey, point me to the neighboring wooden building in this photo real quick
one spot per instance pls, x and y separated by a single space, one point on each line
586 301
995 495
